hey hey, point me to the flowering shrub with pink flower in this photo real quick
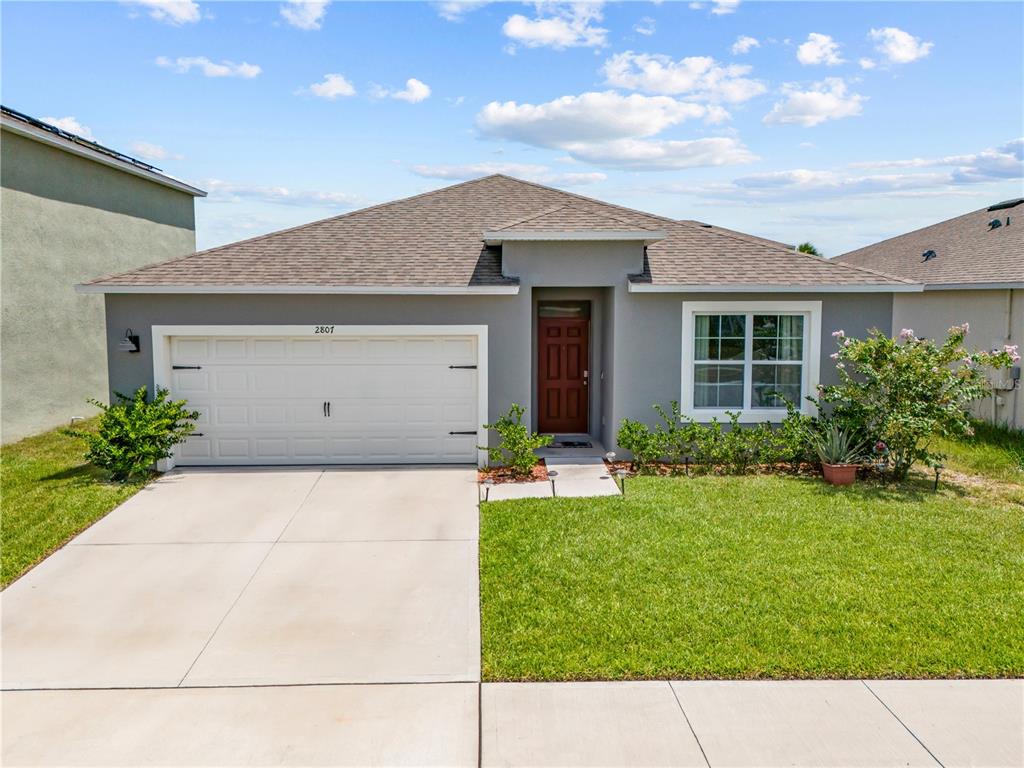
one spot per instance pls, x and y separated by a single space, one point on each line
904 391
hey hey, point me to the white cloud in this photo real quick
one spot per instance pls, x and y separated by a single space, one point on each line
646 26
899 47
999 164
588 117
456 10
662 155
823 101
610 129
149 151
175 12
184 64
304 14
71 125
819 49
541 174
744 44
225 191
699 76
331 87
1003 162
558 26
456 101
414 92
866 63
718 7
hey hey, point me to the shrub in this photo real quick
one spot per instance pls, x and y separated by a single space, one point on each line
133 433
517 443
902 391
836 445
646 445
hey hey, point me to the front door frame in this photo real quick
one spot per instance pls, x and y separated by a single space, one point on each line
588 379
162 354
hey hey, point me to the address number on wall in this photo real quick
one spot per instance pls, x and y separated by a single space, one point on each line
323 329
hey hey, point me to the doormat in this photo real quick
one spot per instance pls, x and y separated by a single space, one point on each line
573 444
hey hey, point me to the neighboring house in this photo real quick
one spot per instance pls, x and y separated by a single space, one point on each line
69 209
972 268
394 333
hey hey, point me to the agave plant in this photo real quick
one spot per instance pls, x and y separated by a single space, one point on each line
835 445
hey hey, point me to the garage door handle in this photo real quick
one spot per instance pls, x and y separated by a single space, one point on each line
470 432
467 367
186 367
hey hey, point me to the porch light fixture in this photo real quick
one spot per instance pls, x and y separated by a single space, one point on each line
130 342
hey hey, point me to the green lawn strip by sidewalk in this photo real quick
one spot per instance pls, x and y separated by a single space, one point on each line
49 493
753 577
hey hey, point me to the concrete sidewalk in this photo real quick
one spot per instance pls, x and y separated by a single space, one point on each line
815 723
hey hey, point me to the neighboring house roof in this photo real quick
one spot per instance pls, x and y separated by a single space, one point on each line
968 250
37 130
434 242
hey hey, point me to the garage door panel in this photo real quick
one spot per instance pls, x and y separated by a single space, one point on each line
392 399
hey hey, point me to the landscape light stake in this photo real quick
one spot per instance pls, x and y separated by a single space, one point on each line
552 474
687 462
938 470
621 474
488 482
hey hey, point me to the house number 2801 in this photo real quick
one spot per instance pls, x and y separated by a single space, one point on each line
323 329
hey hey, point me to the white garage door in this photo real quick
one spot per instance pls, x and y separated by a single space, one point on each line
327 399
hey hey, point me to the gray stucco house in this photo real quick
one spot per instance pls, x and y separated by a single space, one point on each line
70 209
972 270
394 333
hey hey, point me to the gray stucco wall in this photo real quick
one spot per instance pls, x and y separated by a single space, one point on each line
648 340
65 219
637 346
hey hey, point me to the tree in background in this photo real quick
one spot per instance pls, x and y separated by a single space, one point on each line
808 247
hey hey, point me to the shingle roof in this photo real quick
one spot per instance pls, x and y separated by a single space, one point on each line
575 218
967 250
435 240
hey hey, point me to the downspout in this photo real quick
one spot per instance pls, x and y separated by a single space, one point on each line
1009 340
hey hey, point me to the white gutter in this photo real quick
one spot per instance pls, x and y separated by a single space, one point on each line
647 236
794 288
374 290
45 137
972 286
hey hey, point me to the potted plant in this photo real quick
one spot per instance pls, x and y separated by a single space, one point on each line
840 456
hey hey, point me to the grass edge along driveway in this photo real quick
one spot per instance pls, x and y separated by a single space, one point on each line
753 577
49 494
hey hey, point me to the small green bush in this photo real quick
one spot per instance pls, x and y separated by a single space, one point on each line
133 433
646 445
517 442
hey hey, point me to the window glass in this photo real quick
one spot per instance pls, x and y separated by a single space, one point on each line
719 338
772 368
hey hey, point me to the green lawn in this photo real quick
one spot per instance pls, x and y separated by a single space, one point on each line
48 495
753 577
996 453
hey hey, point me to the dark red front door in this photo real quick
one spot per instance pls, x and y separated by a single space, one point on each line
563 355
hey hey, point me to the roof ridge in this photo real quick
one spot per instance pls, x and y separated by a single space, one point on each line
265 235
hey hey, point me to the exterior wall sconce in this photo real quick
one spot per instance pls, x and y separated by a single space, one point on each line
130 342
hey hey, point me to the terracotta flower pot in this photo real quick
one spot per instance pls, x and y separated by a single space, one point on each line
840 474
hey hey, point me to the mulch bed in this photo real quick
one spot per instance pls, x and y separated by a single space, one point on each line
504 474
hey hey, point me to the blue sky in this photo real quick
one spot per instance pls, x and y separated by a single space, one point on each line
841 123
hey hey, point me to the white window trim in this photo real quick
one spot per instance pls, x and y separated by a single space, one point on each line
811 310
162 355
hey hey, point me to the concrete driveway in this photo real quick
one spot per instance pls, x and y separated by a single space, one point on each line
233 579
